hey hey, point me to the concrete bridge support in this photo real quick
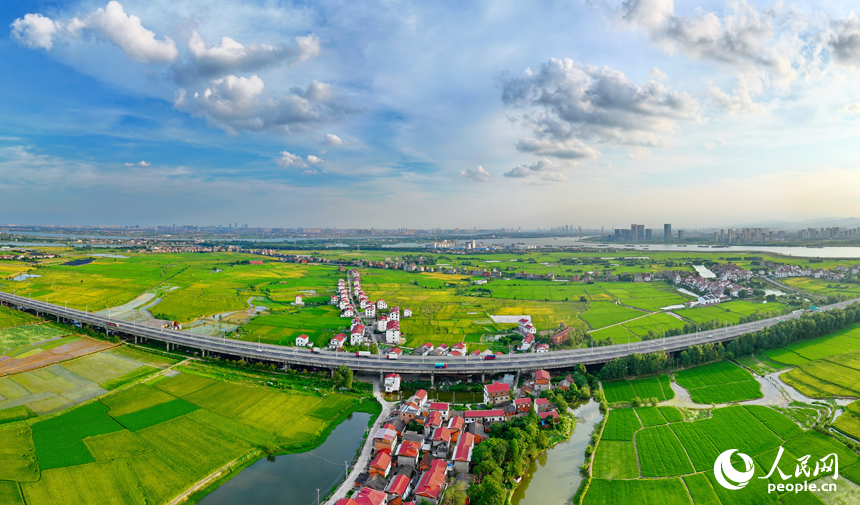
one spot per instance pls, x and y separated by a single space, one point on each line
432 380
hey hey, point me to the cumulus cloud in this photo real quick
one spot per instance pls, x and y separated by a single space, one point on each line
743 37
850 108
844 40
658 75
333 140
139 164
238 103
110 24
231 57
313 160
741 99
288 160
543 170
477 174
568 103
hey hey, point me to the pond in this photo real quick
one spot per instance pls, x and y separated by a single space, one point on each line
295 478
24 277
554 477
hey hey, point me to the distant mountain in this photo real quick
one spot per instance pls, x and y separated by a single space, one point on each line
821 222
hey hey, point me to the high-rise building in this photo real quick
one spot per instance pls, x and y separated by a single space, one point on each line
731 235
649 234
680 235
722 235
633 232
640 232
667 232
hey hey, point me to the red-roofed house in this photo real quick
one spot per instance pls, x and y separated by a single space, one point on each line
549 415
434 420
392 332
524 405
455 426
419 399
384 440
333 299
441 442
407 312
381 323
394 353
542 381
541 405
441 407
346 501
480 416
357 335
338 340
392 383
527 343
542 348
496 393
408 452
381 464
255 262
299 300
463 453
302 340
432 482
370 310
380 304
397 489
369 496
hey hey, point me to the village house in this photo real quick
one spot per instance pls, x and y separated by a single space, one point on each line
370 311
542 348
381 323
463 453
407 312
337 341
394 314
542 381
527 343
432 483
482 416
434 420
407 453
419 399
299 301
392 332
440 441
368 496
455 426
392 383
496 393
440 407
385 439
524 405
333 299
303 340
381 305
541 405
394 353
348 312
381 464
357 335
398 489
560 337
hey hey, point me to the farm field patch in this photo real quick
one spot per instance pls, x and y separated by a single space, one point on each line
650 416
671 414
640 491
626 390
719 382
10 317
615 460
654 325
602 314
784 427
661 453
621 424
759 366
19 336
839 342
701 490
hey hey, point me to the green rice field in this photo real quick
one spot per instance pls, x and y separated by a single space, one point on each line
838 342
719 382
626 390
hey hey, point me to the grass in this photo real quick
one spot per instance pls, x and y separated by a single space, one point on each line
156 414
10 317
759 366
621 424
661 453
719 382
650 416
17 454
615 460
640 491
104 482
10 494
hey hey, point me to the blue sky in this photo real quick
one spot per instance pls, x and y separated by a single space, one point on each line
421 114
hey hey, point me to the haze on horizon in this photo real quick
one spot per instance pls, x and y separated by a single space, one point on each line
412 114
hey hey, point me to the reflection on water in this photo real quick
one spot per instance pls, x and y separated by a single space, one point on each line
294 478
24 277
554 477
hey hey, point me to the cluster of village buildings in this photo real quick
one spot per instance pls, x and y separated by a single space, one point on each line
16 255
413 466
723 286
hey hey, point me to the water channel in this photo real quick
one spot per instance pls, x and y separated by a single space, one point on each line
293 479
554 477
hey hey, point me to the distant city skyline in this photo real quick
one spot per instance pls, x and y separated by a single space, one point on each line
417 115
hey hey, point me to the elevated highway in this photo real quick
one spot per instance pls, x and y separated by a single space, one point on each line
405 364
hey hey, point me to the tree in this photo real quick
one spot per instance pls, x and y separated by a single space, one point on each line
488 492
455 494
374 348
343 377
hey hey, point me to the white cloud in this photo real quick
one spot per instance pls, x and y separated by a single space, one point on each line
313 160
34 31
129 164
741 99
143 164
333 140
477 174
850 108
238 103
543 170
568 103
658 75
288 160
230 57
110 24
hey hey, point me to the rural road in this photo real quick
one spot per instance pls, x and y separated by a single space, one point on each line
364 457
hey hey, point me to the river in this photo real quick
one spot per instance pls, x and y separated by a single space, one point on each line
554 477
294 479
